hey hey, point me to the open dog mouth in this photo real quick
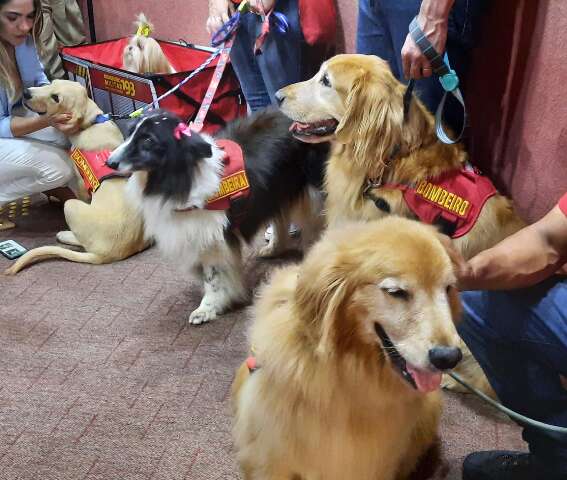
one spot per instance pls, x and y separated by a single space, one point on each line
318 129
424 381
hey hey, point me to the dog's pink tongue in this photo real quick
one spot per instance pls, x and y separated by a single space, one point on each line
426 381
298 126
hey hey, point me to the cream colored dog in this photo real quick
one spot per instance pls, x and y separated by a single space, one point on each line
109 228
350 346
355 102
143 53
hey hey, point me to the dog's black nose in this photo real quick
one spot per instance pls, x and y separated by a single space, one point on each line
445 358
27 94
111 163
280 97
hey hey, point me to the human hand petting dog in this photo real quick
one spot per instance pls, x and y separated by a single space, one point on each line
66 123
433 18
219 13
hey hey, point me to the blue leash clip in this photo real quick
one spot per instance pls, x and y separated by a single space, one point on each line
449 81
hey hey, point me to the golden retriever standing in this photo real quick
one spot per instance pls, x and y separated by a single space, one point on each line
350 347
143 53
355 101
109 228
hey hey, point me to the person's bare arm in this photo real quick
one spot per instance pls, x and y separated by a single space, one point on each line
63 122
521 260
433 18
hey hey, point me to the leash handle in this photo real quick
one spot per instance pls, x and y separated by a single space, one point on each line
447 77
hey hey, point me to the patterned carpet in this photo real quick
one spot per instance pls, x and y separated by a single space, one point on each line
100 377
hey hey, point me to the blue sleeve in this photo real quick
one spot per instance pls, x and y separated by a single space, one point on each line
5 118
40 78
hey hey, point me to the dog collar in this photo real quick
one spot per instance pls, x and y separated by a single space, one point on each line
101 118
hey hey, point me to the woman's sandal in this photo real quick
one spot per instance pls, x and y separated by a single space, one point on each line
6 224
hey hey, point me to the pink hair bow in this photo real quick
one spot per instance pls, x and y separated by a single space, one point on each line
181 129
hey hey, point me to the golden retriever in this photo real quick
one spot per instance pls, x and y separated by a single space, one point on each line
355 101
143 54
109 228
350 346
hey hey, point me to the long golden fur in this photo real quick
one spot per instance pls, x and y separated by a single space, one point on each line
326 401
372 141
108 228
143 54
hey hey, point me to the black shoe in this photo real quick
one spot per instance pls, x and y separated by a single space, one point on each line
504 465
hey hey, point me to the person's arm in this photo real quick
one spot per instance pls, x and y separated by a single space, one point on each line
433 18
528 257
20 126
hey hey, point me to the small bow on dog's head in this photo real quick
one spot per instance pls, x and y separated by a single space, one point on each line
181 129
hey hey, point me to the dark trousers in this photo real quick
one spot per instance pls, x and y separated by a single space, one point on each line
285 57
382 30
520 340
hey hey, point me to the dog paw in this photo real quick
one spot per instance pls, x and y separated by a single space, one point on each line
201 315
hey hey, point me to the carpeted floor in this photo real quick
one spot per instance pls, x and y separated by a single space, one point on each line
100 377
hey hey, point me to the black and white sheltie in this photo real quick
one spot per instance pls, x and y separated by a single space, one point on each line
176 172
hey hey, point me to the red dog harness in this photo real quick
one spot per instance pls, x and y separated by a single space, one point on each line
234 185
92 167
456 197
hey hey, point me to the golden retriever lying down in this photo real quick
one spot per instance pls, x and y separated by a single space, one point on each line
350 347
109 228
355 101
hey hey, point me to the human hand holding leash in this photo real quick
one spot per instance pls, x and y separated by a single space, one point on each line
220 12
433 19
261 6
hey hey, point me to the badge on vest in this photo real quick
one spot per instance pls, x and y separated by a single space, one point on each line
237 182
449 201
92 167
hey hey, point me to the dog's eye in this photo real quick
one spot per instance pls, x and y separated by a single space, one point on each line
325 80
397 293
55 97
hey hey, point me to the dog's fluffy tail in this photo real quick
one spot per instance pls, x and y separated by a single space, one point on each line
43 253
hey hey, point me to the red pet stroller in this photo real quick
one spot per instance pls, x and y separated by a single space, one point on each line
98 67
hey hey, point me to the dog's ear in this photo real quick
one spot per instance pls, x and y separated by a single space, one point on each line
155 60
196 146
460 268
372 123
88 112
320 297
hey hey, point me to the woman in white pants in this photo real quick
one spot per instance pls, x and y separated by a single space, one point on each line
33 155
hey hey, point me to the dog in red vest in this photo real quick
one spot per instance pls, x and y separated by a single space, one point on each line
108 228
202 197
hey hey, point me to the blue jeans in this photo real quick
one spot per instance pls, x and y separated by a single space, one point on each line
382 30
283 59
520 340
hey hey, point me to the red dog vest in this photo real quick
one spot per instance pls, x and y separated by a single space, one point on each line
234 183
92 167
457 196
